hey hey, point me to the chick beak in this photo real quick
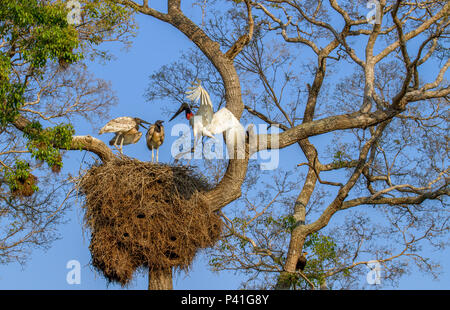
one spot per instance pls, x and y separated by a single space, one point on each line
142 122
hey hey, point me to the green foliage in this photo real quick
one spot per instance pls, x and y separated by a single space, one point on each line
105 21
45 144
11 94
339 159
321 251
36 32
322 246
17 176
107 14
285 223
288 223
39 30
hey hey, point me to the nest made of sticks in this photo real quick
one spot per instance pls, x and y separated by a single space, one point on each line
145 215
25 186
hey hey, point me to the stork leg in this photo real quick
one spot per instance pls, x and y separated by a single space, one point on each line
115 142
152 154
121 145
196 140
203 142
157 153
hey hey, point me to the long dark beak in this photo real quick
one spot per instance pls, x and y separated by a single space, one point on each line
181 109
143 122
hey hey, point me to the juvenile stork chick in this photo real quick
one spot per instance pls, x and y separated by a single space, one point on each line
155 137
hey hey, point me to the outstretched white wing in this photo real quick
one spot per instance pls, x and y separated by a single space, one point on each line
224 121
208 123
198 93
120 124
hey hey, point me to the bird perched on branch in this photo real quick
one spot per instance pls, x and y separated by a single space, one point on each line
301 263
155 137
126 130
207 123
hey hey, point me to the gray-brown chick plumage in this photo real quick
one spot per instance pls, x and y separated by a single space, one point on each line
126 130
155 137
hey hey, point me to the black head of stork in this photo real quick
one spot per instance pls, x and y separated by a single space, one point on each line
186 108
159 123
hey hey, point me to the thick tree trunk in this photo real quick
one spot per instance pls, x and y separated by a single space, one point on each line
160 279
284 281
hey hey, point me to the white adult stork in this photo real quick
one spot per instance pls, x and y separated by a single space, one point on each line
207 123
126 130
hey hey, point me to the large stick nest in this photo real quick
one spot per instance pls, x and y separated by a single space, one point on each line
145 215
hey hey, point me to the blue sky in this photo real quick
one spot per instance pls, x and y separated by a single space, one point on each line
157 44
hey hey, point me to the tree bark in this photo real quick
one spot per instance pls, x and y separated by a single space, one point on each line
87 143
160 279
